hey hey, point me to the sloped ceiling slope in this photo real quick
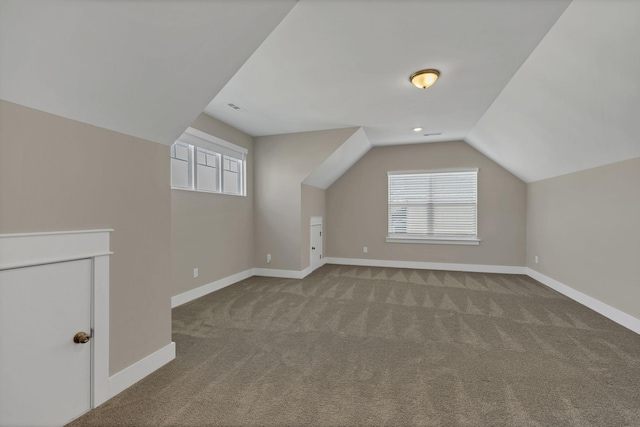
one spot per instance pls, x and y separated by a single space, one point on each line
336 64
575 102
340 160
143 68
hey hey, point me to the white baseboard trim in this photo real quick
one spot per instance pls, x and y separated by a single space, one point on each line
203 290
307 271
134 373
288 274
472 268
606 310
272 272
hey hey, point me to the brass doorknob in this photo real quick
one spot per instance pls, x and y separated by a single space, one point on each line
81 338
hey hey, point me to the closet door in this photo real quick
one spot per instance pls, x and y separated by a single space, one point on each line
45 343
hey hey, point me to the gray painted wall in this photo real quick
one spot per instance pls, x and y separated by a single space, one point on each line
59 174
585 229
282 162
357 208
212 232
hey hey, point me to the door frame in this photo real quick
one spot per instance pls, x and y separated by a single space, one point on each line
33 249
315 220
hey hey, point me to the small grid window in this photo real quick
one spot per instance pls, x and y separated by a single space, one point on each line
215 168
180 165
232 175
207 170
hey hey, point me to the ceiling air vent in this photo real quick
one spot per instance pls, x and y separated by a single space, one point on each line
432 134
237 107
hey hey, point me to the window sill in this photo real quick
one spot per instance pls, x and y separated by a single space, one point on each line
208 192
435 241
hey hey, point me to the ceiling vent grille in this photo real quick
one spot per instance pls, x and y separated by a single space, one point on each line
432 134
237 107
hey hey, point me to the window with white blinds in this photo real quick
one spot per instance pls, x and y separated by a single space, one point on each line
202 162
433 205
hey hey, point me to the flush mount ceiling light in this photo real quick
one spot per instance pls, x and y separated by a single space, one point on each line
417 129
424 78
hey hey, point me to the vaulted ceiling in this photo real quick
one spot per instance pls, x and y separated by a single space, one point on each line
143 68
543 87
332 64
575 102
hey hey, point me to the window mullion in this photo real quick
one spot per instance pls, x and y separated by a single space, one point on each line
220 173
192 168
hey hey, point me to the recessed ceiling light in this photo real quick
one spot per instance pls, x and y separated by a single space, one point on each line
417 129
424 78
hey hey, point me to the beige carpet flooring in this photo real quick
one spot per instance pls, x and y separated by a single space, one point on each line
353 346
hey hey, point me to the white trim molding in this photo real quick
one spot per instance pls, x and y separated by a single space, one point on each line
142 368
606 310
288 274
203 290
32 249
433 241
26 249
315 220
419 265
204 140
285 274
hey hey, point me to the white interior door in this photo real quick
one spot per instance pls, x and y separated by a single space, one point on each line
45 377
316 245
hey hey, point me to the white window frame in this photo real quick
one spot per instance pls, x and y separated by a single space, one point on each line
220 148
433 239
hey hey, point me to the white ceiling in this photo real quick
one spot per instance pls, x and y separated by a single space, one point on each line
143 68
334 64
575 103
148 68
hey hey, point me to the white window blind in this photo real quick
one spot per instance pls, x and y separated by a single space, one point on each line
433 205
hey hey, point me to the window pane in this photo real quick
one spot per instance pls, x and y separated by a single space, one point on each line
207 178
232 178
207 175
397 219
454 220
181 151
206 157
201 157
231 183
433 204
417 220
179 173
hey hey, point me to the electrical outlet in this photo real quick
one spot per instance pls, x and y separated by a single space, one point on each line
536 259
195 273
365 249
268 258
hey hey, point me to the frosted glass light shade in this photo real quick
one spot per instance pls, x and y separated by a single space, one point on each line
424 78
